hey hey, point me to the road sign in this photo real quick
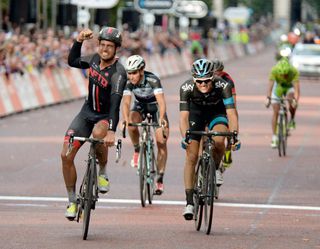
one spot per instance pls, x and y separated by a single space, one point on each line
237 15
155 6
191 9
101 4
83 16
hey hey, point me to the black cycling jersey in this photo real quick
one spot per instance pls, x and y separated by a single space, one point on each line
144 91
206 109
105 85
220 96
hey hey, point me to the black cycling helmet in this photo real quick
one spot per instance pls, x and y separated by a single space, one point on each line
217 65
110 34
202 68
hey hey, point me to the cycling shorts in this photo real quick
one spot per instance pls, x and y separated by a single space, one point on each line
279 91
200 118
144 108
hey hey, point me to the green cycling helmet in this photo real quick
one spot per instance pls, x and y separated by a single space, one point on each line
283 66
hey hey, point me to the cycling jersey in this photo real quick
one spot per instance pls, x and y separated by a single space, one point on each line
105 87
146 90
144 93
206 109
220 96
285 81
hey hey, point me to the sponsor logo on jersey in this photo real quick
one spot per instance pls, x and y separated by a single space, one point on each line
187 87
221 84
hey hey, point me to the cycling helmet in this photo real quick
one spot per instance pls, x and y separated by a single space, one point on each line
110 34
283 66
134 63
202 68
217 65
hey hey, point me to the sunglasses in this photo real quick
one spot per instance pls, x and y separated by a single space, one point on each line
205 81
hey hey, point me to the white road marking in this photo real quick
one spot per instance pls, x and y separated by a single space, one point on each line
158 202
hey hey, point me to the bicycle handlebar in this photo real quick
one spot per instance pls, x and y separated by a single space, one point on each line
232 134
92 140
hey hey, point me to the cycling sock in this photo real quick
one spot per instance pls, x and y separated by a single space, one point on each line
189 196
102 171
72 195
136 147
160 178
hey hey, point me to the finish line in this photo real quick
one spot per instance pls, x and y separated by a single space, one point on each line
160 202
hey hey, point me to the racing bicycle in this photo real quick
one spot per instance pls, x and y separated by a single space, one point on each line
205 186
147 163
282 124
88 192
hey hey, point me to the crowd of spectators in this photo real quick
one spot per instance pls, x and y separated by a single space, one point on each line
24 52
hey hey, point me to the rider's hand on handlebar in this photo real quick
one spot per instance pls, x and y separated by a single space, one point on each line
184 143
163 122
109 139
268 102
235 144
294 103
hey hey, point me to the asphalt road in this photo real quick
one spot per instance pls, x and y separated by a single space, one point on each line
265 202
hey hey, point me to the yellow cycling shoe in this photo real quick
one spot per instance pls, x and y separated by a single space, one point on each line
72 210
103 184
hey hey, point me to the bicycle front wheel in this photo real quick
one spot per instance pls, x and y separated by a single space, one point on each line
88 197
197 195
209 194
142 174
151 175
282 136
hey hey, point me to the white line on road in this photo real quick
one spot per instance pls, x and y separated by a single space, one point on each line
163 202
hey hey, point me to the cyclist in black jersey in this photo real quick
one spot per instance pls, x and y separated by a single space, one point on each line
99 114
149 98
218 69
205 101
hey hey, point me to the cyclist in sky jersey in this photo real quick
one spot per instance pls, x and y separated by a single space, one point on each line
205 101
99 114
149 98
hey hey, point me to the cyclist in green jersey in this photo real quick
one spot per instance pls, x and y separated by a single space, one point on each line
283 81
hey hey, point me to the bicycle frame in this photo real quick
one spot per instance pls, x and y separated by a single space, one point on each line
205 187
88 192
282 127
147 163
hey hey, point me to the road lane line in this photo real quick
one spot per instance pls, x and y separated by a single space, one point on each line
162 202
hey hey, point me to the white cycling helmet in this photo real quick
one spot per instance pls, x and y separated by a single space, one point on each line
134 63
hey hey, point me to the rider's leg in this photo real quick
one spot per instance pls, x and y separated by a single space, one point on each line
189 169
276 108
292 108
134 117
219 146
69 169
100 131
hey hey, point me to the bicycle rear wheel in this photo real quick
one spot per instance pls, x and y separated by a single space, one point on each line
142 174
88 197
209 194
197 196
